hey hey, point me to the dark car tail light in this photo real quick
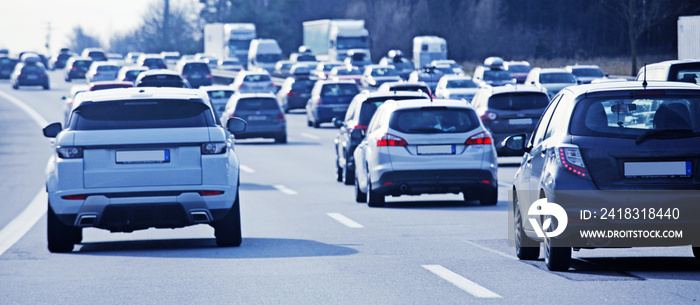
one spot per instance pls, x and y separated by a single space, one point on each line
73 68
210 193
213 148
488 116
70 152
391 140
292 93
280 116
570 159
482 138
361 127
74 197
319 101
209 76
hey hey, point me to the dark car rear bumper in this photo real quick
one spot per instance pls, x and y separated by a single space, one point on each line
436 182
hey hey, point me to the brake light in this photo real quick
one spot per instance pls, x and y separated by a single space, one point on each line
292 93
213 148
482 138
209 76
362 127
272 85
280 116
319 102
73 68
570 160
488 116
210 193
391 140
70 152
74 197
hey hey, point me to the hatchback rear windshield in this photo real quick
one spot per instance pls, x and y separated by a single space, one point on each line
348 72
97 55
369 107
518 101
519 68
496 75
587 72
631 117
257 104
339 90
137 114
196 68
303 85
32 69
108 68
434 120
220 93
82 63
557 78
460 83
153 61
257 78
384 72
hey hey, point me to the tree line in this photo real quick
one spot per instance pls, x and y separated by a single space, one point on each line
474 29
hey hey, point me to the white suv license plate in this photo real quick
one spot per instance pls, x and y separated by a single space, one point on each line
143 156
677 169
257 118
436 149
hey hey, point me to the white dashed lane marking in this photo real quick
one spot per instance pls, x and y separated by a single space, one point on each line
344 220
284 189
461 282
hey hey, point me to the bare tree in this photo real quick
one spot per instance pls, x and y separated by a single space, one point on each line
80 40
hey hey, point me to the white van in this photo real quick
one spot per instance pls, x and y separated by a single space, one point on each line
428 48
264 53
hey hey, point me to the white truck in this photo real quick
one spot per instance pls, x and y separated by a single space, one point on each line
228 40
331 39
428 48
689 37
264 54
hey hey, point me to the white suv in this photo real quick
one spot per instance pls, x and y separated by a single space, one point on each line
137 158
415 147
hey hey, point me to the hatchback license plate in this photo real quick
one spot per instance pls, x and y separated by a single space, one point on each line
520 121
143 156
257 117
436 149
677 169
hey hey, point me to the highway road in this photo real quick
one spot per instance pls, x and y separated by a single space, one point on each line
305 240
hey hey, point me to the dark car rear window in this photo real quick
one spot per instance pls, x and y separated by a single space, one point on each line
220 93
434 120
162 81
32 69
196 68
97 55
82 63
518 101
257 104
631 117
339 90
257 78
369 107
303 85
137 114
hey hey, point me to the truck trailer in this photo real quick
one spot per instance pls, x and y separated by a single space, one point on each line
228 40
332 39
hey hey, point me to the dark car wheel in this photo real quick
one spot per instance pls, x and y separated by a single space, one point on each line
556 258
15 86
525 248
60 237
339 173
360 197
281 139
374 198
489 197
228 230
349 176
317 124
46 87
68 79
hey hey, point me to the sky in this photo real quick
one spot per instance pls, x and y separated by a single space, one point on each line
23 24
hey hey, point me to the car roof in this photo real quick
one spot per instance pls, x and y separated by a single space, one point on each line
514 88
553 70
419 103
138 93
403 84
216 87
158 72
582 66
374 94
337 81
239 95
126 84
629 85
455 76
140 68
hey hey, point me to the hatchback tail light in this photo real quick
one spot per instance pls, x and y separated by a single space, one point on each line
319 101
73 68
70 152
280 116
74 197
209 76
361 127
213 148
570 159
482 138
488 116
391 140
292 93
210 193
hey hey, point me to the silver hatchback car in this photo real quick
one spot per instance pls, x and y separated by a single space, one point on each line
137 158
415 147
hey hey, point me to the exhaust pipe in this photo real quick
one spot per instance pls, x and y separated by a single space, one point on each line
200 217
87 220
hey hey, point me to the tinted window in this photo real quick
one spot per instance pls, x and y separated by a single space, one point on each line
220 93
434 120
460 83
384 72
519 68
339 90
496 75
306 57
97 55
63 56
196 68
108 68
141 114
257 78
630 117
152 61
303 85
518 101
587 72
268 57
132 74
82 63
557 78
257 104
348 72
369 107
32 69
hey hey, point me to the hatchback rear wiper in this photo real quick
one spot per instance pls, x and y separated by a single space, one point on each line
681 133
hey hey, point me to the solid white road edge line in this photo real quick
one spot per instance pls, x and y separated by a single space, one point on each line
344 220
310 136
284 189
28 110
247 169
19 226
36 209
461 282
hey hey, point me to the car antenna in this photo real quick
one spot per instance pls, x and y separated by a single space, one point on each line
644 83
